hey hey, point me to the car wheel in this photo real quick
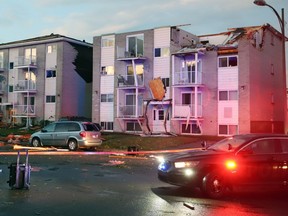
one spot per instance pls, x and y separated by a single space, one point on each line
214 185
72 145
36 142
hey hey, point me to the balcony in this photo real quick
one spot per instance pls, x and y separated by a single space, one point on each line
187 78
25 85
130 111
185 111
3 87
130 80
123 54
24 62
24 110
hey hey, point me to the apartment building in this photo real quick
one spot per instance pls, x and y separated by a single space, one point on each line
218 84
45 78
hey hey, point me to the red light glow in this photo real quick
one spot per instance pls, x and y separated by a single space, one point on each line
231 164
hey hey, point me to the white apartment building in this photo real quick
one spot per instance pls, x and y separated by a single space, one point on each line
45 78
218 84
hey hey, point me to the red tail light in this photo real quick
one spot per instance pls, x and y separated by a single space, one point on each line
231 165
82 134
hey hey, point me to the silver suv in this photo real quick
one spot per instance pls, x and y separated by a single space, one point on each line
70 134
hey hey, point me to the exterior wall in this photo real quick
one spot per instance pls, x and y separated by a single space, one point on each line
96 79
71 86
209 93
266 85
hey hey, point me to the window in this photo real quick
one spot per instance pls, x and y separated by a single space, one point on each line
228 95
61 127
30 55
107 42
159 115
11 65
107 70
162 52
107 97
265 146
133 126
166 82
192 128
228 61
228 129
50 73
107 125
74 127
50 99
139 72
135 45
51 48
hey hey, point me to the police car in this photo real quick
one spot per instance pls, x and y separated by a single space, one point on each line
239 160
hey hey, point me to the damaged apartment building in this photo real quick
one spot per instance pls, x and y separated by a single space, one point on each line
167 80
45 78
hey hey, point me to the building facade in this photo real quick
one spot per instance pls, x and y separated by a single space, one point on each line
45 78
218 84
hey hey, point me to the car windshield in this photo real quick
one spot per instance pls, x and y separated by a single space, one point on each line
228 144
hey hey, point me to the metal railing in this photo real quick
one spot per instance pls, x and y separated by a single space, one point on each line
129 111
25 85
187 77
22 61
183 111
129 80
24 110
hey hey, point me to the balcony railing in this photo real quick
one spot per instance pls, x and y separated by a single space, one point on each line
130 81
23 61
122 53
187 77
129 111
25 85
183 111
24 110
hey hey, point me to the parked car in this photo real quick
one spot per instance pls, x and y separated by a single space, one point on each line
240 160
70 134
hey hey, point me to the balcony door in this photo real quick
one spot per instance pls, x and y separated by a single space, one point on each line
188 99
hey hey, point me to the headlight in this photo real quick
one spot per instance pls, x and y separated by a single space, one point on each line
188 164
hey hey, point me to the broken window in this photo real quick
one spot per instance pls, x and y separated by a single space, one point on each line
228 61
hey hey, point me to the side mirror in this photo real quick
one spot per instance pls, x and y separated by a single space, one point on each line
43 131
204 144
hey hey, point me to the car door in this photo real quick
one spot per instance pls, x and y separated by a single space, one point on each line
60 134
257 161
283 161
47 134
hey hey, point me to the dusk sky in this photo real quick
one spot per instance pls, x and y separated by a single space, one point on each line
83 19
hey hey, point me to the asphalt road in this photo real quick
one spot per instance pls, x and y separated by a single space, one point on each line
95 184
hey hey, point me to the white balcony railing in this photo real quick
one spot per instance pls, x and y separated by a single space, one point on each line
24 110
129 80
184 111
129 111
23 61
187 77
25 85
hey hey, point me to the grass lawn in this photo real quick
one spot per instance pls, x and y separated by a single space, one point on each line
122 141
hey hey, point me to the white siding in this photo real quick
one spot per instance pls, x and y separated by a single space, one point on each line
228 78
228 112
50 83
162 37
106 112
108 54
161 67
13 76
107 84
